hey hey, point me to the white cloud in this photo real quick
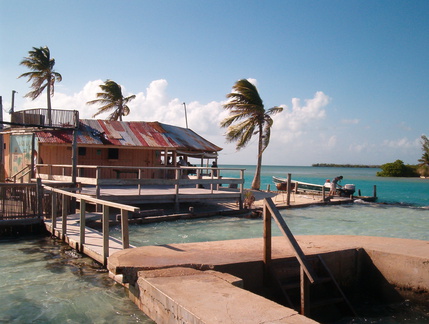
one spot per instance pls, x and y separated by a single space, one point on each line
350 121
402 143
293 123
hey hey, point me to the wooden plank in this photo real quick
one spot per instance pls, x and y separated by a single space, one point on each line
291 239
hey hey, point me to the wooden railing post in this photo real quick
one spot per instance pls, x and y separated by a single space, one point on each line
105 226
82 224
288 189
124 228
305 292
140 177
64 217
176 187
267 236
54 210
39 195
97 181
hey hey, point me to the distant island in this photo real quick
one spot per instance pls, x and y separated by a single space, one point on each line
333 165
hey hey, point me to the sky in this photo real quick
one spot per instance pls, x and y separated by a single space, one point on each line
352 76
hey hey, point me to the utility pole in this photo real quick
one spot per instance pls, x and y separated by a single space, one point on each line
12 106
1 142
186 115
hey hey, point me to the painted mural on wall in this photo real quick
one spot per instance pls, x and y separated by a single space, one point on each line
20 149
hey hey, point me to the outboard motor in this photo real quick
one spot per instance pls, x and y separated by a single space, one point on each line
347 190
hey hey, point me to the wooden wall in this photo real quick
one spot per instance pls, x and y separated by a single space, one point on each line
62 154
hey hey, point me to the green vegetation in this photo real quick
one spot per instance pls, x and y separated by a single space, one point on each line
398 169
247 111
42 75
333 165
423 168
112 98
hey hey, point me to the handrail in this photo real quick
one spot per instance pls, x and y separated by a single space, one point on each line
26 169
94 200
104 219
271 210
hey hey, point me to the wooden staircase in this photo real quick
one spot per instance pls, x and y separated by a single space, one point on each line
325 300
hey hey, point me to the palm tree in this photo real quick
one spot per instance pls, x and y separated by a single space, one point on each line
248 117
42 74
112 98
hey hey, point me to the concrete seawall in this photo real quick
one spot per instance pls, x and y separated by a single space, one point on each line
203 282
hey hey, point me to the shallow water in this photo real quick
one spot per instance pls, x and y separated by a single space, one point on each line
43 281
355 219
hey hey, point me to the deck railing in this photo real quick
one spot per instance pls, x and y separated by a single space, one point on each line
20 201
66 198
42 117
306 271
177 177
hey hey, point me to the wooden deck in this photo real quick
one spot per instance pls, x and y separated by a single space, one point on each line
161 194
93 246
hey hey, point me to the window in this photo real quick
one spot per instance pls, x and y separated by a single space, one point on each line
82 151
113 154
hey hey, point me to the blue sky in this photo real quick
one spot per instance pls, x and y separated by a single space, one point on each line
352 76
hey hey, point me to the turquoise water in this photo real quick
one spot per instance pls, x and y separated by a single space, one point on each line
51 286
42 281
413 191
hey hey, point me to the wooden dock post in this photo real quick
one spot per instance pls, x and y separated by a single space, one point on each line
375 191
82 225
125 231
105 226
288 189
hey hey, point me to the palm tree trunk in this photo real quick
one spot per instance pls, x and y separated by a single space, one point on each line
256 183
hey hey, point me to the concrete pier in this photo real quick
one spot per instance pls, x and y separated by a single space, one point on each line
203 282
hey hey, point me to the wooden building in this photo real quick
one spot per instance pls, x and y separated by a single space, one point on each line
105 143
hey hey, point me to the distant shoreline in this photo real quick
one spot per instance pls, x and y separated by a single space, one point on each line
333 165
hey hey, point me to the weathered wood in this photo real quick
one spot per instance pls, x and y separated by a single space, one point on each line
291 239
54 209
305 292
93 200
267 236
288 189
125 230
105 226
64 213
82 225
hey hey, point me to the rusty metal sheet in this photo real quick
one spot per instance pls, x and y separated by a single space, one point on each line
144 134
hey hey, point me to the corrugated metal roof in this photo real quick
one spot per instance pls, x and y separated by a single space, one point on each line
130 134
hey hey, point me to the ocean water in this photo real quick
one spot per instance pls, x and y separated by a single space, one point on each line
43 282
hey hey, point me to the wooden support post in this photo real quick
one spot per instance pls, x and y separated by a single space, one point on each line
54 210
267 243
323 194
74 169
105 226
176 187
39 195
305 293
64 217
82 225
267 235
140 177
240 200
288 189
97 178
124 228
97 187
375 191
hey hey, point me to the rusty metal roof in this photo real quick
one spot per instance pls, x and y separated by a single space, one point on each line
130 134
